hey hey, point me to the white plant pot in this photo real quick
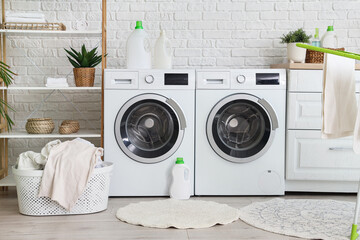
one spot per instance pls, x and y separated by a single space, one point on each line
295 54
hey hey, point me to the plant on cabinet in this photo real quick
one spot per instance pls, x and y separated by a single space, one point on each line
7 77
294 53
84 63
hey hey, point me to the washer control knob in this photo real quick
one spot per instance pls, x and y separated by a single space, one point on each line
149 79
240 79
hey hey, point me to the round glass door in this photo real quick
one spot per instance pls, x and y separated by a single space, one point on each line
240 128
147 128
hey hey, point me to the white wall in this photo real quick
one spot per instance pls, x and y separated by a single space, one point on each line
204 34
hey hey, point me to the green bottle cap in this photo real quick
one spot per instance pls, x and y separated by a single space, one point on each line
179 160
330 28
139 25
316 33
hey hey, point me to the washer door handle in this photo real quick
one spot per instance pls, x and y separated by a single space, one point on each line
179 112
270 110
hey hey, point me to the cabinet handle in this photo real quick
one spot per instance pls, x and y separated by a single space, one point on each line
340 148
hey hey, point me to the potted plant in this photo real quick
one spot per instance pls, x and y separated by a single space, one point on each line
294 53
84 64
7 76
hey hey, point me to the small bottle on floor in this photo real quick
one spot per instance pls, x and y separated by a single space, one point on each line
180 185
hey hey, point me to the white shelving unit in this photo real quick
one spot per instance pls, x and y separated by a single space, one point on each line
52 88
87 33
8 180
24 134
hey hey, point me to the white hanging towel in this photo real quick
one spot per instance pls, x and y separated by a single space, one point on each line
67 171
339 101
356 144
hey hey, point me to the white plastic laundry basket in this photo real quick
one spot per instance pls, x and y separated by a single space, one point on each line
94 198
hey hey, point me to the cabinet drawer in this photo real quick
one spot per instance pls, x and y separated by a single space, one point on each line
308 157
310 80
304 111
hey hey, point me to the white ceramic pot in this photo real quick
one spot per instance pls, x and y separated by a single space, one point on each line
295 54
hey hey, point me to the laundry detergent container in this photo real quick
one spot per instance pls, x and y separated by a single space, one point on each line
93 199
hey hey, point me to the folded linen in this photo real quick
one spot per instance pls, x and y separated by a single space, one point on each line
67 171
34 17
56 82
25 20
339 101
25 14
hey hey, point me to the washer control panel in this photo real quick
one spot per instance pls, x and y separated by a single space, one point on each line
241 79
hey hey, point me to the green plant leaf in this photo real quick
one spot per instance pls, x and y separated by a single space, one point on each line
75 52
296 36
76 57
85 62
7 75
83 50
84 58
92 54
75 64
95 59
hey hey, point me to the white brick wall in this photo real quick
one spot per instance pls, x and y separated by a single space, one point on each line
204 34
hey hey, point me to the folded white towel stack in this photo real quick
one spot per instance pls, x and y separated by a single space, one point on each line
339 101
56 82
25 17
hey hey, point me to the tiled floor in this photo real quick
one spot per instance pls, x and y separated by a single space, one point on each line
105 226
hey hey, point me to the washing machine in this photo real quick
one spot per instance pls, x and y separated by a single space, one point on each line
240 132
148 123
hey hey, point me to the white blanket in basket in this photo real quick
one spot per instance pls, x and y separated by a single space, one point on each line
67 171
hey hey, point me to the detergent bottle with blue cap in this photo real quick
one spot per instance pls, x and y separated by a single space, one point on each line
180 186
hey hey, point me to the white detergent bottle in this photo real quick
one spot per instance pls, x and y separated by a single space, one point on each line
138 52
162 54
180 185
329 40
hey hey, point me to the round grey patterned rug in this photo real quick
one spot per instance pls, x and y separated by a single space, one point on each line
305 218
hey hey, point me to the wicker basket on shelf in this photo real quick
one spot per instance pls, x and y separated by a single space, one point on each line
317 57
40 125
69 126
84 77
34 26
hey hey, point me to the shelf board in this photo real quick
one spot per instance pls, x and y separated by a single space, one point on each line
45 32
50 88
55 134
308 66
8 181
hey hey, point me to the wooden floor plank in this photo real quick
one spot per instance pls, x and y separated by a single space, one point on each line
104 225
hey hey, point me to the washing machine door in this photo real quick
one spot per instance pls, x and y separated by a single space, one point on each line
149 128
241 127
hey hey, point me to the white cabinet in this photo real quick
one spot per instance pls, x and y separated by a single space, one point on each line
313 158
313 163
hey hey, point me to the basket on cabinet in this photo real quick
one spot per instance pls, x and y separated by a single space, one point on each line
34 26
317 57
93 199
